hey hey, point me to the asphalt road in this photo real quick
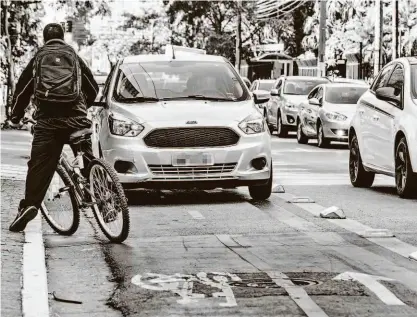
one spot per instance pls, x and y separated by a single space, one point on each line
218 253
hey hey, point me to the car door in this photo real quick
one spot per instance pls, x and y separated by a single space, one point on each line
372 129
272 105
385 119
306 110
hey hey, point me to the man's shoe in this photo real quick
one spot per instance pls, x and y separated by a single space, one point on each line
23 217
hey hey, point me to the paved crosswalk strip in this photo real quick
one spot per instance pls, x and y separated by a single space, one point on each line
16 172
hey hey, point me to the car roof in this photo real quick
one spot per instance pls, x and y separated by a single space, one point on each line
267 80
345 85
179 57
412 60
304 77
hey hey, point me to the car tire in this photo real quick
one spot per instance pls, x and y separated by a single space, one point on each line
262 192
301 137
281 128
359 177
322 141
405 179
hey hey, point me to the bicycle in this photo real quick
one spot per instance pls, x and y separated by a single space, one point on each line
102 192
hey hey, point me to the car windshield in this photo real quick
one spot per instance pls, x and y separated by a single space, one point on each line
414 81
344 95
301 86
165 80
266 85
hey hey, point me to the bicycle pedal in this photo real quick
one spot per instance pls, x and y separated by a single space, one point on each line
64 189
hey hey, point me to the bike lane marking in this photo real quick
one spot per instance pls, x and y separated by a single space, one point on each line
296 293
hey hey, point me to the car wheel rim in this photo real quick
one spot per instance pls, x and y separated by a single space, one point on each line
401 167
354 160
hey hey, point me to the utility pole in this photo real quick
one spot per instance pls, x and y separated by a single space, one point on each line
321 70
238 35
11 85
378 38
395 29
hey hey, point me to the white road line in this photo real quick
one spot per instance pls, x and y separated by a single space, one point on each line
393 244
35 287
196 214
296 293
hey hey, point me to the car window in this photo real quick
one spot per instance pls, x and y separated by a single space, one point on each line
319 95
266 85
302 86
252 87
382 79
396 80
178 79
312 93
344 95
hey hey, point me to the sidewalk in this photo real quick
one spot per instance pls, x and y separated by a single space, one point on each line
11 250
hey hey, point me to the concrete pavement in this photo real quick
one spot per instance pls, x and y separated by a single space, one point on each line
218 253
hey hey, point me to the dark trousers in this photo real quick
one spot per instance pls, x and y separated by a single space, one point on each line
49 138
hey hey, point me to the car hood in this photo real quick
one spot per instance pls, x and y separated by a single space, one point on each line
178 112
347 110
295 99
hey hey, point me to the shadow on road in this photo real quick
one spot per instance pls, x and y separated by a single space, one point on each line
389 191
183 197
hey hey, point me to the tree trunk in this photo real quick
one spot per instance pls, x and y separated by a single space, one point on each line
238 36
11 85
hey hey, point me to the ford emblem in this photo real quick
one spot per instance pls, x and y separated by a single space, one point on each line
191 122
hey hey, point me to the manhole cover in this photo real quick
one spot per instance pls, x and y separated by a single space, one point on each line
305 282
255 283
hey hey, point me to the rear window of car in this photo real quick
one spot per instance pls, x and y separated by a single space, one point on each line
344 95
302 86
178 79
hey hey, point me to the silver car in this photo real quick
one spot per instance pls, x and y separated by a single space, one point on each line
262 87
327 113
286 95
183 122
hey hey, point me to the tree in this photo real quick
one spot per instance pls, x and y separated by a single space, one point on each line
20 26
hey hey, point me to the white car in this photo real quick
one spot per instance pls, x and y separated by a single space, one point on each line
286 95
184 121
383 132
327 112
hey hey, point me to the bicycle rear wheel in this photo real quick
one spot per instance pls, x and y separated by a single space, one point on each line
110 204
60 207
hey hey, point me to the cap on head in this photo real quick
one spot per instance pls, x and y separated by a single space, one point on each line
53 31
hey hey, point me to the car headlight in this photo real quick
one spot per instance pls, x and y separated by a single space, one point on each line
253 124
335 116
120 125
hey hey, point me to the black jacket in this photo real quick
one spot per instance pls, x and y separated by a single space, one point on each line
45 110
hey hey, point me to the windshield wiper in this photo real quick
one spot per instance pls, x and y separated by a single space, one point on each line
201 97
141 99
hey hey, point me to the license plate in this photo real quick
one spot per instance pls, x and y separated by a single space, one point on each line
194 159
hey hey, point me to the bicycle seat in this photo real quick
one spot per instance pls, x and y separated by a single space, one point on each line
80 136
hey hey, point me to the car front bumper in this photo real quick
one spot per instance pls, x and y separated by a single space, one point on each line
289 116
336 130
152 167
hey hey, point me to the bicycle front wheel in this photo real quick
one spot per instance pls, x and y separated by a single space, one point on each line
109 201
60 207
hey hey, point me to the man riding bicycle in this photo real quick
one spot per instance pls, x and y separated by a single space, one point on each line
63 88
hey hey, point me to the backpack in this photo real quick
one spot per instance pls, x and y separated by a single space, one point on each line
57 73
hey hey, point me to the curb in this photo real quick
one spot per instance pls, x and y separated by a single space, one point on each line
35 286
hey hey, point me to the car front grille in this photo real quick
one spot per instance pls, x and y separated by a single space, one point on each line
213 172
191 137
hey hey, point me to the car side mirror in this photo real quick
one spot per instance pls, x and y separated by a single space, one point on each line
314 102
387 94
274 92
261 96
